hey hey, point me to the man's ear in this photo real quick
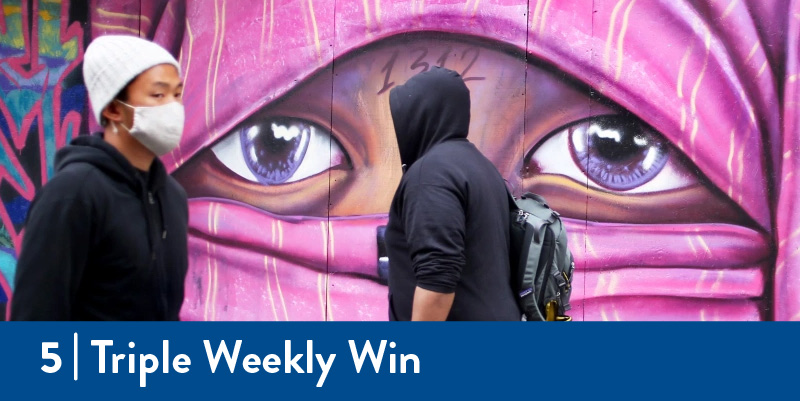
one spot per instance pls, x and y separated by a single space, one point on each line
113 112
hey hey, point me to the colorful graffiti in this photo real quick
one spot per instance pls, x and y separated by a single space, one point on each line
665 132
41 44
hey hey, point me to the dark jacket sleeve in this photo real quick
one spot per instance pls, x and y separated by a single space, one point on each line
434 221
53 256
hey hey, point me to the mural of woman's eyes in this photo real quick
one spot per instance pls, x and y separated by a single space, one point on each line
279 150
295 157
613 153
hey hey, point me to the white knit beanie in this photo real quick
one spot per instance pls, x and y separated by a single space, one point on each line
111 62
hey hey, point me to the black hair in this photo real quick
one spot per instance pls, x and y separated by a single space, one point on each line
121 96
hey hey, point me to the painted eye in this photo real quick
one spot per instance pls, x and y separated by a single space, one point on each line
613 153
279 151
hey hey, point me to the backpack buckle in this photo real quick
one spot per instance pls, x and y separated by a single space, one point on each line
551 313
522 216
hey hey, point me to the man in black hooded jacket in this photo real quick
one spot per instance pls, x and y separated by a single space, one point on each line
105 238
447 237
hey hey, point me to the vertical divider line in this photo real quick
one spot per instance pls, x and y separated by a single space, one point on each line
586 216
524 98
330 152
75 359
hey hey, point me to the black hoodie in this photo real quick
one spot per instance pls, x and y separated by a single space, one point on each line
103 241
448 223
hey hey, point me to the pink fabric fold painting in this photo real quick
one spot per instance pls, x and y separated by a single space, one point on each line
665 132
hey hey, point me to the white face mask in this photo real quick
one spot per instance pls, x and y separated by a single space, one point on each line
158 128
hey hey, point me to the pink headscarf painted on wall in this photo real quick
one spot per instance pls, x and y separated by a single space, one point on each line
654 127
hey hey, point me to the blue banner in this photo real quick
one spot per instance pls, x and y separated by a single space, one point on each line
398 360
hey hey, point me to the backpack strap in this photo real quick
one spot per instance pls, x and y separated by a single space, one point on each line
538 198
537 206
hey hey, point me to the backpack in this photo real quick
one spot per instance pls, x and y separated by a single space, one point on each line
541 263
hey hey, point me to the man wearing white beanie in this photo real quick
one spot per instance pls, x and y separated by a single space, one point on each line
106 238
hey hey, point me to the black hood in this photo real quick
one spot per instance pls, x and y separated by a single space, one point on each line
94 150
432 107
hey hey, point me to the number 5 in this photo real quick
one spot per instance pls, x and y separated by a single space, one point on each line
49 355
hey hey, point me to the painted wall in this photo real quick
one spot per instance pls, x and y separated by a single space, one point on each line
665 132
42 106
